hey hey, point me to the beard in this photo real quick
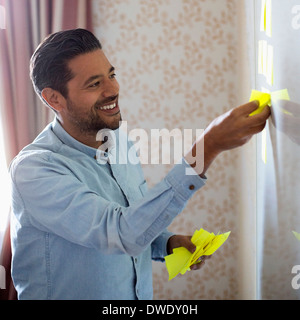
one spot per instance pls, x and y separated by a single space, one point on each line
89 123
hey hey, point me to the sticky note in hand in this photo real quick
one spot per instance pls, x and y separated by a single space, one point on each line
182 259
263 98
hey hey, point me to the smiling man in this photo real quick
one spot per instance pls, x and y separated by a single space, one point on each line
91 102
86 229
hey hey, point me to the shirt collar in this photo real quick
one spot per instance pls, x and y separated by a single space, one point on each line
71 142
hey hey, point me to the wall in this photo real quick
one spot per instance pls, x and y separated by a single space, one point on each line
178 64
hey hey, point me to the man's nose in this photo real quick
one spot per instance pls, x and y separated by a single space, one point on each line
111 88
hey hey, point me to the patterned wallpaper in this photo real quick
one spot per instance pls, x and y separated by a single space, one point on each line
177 66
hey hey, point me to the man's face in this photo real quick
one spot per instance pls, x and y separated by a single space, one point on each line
93 92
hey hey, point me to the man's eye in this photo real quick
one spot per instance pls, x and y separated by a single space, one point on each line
96 84
112 76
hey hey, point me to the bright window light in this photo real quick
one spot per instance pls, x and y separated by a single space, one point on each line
2 18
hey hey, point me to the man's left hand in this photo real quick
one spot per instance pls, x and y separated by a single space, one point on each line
177 241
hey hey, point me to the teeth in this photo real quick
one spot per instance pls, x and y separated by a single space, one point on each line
108 107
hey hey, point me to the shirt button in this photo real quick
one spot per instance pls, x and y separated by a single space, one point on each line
191 187
105 154
135 260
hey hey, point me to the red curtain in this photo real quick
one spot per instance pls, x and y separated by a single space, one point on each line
23 115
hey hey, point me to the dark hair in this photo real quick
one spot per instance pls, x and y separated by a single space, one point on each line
49 63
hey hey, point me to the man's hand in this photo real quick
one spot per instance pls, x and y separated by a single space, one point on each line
228 131
177 241
235 127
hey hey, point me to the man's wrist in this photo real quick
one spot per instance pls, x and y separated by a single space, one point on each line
169 245
201 156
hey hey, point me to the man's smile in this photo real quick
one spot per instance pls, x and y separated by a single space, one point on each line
112 108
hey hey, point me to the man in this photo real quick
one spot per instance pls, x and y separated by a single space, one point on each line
82 227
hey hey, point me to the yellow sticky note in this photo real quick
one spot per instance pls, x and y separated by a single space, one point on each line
263 15
181 259
266 17
280 95
178 261
263 98
297 235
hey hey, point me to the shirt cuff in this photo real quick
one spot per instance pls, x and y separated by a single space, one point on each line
159 246
184 179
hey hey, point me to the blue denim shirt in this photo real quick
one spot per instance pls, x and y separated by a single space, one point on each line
86 229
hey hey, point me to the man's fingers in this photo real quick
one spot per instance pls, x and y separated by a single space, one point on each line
247 108
201 263
256 129
198 265
260 118
190 246
205 257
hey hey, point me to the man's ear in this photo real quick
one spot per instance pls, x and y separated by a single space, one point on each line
54 99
